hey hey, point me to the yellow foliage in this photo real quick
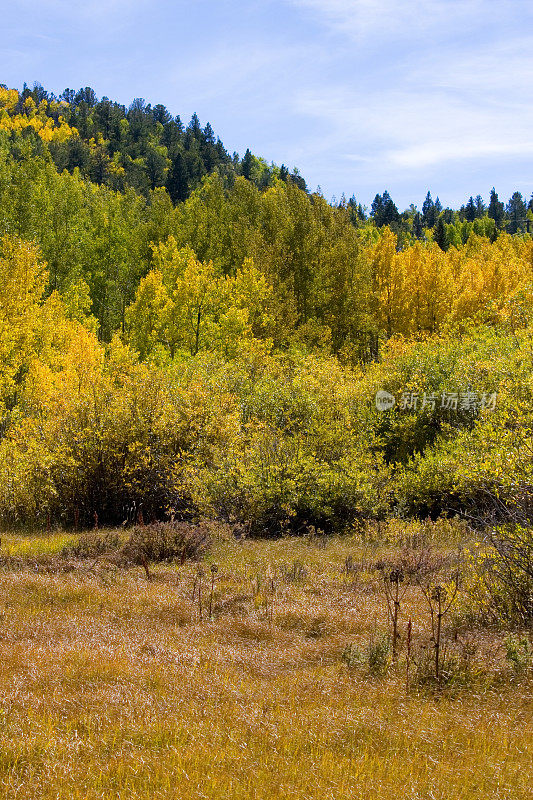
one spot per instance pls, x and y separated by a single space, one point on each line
187 304
421 288
34 117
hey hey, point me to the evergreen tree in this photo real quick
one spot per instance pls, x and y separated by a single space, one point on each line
470 210
517 211
177 179
209 149
161 115
356 211
68 96
390 214
496 209
429 214
418 228
156 166
283 173
222 155
377 210
298 180
247 164
440 236
86 95
384 211
104 114
138 122
194 127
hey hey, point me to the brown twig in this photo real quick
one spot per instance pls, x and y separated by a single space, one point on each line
408 658
214 570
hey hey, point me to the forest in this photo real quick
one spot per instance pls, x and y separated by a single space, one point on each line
218 349
266 473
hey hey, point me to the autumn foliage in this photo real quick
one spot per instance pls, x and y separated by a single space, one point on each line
221 355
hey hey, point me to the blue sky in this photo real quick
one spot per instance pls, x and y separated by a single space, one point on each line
361 95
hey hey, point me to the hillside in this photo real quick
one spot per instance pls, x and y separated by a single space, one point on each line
266 474
221 354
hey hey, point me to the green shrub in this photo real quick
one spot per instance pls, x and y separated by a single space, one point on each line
375 659
352 656
379 655
519 653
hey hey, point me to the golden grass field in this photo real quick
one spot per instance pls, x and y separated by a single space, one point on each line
112 687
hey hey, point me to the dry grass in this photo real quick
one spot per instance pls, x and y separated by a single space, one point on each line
111 687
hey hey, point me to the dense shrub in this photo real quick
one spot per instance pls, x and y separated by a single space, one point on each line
166 541
505 575
160 541
92 544
221 419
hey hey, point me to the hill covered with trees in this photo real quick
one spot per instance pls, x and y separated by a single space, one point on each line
197 333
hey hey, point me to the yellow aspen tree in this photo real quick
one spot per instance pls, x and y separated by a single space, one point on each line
388 279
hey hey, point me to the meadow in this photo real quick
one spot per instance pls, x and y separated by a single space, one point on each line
262 670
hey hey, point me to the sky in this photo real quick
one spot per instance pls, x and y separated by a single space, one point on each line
360 95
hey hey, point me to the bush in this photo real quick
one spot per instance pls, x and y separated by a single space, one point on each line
379 654
93 544
162 541
519 653
375 659
166 541
505 575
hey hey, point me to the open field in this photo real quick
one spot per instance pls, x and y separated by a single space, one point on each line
113 687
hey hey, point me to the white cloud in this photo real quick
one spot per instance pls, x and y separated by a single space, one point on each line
241 68
426 106
397 130
362 19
